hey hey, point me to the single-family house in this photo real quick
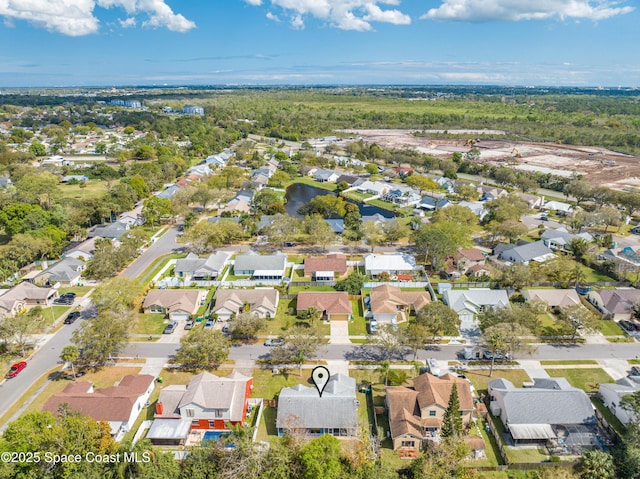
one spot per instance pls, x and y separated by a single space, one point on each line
549 410
67 272
445 183
83 251
553 298
200 170
348 179
536 251
560 238
131 219
241 202
262 302
392 264
76 178
476 207
326 176
218 160
561 208
616 304
112 231
336 225
416 413
373 188
490 193
118 405
534 201
5 182
469 302
25 295
388 302
177 304
432 203
402 195
168 192
258 266
611 395
302 411
466 258
208 402
376 218
334 306
201 270
325 268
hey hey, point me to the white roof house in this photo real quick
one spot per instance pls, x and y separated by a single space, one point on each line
469 302
398 263
612 394
558 206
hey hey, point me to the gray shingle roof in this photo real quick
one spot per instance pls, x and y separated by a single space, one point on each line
525 253
210 266
337 408
550 401
252 261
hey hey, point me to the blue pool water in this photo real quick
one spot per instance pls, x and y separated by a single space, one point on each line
213 435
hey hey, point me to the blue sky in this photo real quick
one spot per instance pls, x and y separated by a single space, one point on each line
155 42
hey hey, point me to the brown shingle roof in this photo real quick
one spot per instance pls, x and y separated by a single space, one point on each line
386 298
331 302
472 254
433 390
174 299
331 262
110 404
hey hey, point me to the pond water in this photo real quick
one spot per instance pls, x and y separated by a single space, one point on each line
298 194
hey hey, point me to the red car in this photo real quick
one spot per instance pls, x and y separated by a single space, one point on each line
16 368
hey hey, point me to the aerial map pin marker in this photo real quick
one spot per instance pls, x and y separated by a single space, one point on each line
320 377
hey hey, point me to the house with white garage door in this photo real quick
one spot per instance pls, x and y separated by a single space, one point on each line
177 304
470 302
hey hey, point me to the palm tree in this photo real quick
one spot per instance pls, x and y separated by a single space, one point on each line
496 343
385 366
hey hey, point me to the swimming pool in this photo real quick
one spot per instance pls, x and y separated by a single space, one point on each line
213 435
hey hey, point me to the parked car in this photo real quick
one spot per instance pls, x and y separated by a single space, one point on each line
225 328
171 327
373 326
189 324
70 294
544 218
488 355
274 342
208 324
628 325
635 371
66 300
16 368
71 317
289 244
434 367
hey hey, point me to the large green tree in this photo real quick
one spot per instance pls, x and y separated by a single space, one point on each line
203 349
452 421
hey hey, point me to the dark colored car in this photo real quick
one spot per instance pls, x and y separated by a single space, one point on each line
66 300
16 368
68 295
628 325
72 317
635 371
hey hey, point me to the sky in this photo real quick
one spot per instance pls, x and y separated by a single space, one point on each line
66 43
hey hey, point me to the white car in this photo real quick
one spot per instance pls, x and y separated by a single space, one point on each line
434 368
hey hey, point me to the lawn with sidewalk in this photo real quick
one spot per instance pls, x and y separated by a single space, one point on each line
480 377
285 320
587 379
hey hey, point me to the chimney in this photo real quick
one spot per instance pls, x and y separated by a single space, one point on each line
159 409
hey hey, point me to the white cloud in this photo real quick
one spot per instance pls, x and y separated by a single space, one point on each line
128 23
77 17
273 17
344 14
515 10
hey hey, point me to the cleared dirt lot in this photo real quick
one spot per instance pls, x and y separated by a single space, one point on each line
599 165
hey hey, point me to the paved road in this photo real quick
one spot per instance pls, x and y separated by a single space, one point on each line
42 361
444 352
165 244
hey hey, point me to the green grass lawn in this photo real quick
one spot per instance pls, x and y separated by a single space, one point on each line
587 379
568 362
155 267
307 180
92 189
297 289
357 327
298 275
153 323
357 196
611 328
284 320
611 418
79 290
267 385
480 377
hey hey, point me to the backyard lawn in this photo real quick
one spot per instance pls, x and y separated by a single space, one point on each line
587 379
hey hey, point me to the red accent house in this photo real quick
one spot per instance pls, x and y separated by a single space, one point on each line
209 401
